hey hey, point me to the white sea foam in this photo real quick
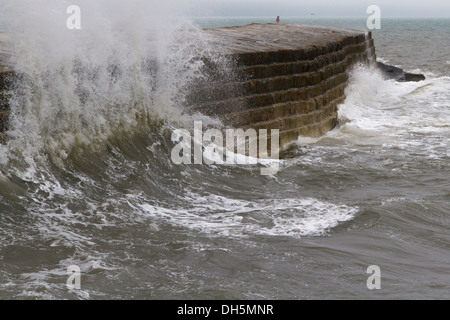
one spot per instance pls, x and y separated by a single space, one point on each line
379 111
111 76
409 118
221 216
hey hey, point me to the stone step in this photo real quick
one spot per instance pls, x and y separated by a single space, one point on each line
287 68
286 109
298 120
263 114
298 66
280 68
311 130
205 94
267 99
357 57
308 53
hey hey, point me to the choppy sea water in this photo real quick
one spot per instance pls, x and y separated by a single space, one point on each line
87 179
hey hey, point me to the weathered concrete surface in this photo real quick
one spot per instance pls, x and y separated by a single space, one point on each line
290 42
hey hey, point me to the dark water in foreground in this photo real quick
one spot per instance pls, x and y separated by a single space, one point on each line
374 191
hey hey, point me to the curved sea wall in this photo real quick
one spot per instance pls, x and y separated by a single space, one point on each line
286 77
290 77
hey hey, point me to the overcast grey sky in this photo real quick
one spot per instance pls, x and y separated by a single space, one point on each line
334 8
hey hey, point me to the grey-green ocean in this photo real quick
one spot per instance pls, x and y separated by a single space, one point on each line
87 180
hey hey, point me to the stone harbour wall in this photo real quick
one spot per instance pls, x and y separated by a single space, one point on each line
291 77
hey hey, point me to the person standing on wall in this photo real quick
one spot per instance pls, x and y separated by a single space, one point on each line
278 19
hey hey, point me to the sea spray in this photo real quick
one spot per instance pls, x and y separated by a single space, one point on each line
129 65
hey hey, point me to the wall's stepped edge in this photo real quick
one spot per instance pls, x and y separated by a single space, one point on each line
291 77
